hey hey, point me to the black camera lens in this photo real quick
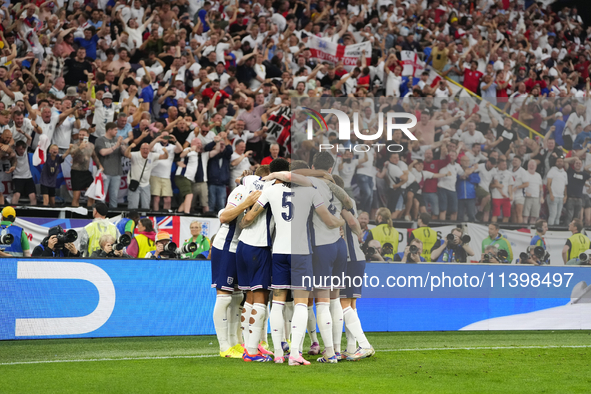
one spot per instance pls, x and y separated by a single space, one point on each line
123 241
523 256
466 239
450 237
170 247
503 254
370 251
6 239
539 252
413 249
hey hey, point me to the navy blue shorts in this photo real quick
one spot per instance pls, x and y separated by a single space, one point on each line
255 263
216 256
340 265
355 272
223 266
302 272
324 258
281 271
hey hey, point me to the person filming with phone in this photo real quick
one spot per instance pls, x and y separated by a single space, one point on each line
80 175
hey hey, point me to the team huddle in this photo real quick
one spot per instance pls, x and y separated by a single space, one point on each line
281 229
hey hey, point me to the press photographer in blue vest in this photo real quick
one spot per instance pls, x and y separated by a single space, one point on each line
19 247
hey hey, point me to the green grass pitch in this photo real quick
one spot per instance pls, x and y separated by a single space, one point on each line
440 362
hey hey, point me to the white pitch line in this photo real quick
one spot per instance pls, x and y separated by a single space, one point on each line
215 355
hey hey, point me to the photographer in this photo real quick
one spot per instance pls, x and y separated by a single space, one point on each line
455 248
373 251
163 239
20 244
56 245
412 253
582 259
106 243
535 255
493 255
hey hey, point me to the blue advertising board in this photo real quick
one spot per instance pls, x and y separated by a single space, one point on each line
112 298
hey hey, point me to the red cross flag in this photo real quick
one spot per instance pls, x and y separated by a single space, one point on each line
412 66
326 51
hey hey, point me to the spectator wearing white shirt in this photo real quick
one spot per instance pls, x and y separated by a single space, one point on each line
557 181
520 179
104 112
534 194
502 192
160 184
239 162
142 163
446 188
346 166
472 136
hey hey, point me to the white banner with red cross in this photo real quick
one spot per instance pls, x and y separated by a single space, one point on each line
326 51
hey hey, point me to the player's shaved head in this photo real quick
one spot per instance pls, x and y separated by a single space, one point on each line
299 165
323 161
262 171
279 165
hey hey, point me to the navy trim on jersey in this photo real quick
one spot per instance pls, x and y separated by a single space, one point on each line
230 235
268 218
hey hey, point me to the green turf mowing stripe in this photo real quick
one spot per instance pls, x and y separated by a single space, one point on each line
215 355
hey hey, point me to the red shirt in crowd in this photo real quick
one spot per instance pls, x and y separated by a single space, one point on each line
209 93
472 79
433 166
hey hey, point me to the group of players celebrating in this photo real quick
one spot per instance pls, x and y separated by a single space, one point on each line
280 228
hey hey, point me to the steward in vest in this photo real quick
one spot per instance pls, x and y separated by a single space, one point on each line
144 241
50 247
92 233
576 243
384 232
20 246
425 234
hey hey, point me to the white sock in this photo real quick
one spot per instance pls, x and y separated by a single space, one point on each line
336 312
287 316
312 325
234 331
277 326
354 325
220 319
265 329
325 326
298 328
245 316
255 326
351 341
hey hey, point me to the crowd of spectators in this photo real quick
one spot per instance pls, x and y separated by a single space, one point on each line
186 95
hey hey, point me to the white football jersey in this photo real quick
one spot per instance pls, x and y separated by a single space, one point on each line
259 232
354 251
229 232
322 235
305 200
278 198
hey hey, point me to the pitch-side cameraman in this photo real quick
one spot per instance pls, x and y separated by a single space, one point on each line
494 255
535 255
455 248
412 253
109 248
58 243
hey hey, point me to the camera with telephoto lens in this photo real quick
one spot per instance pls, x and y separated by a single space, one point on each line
64 238
464 238
188 248
585 258
172 251
413 249
369 252
541 253
6 239
123 241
